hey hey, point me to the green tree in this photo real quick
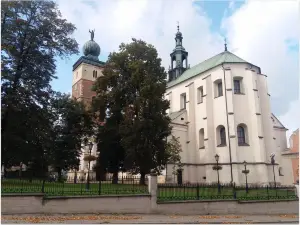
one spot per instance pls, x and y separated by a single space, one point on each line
135 85
33 34
173 153
71 127
108 105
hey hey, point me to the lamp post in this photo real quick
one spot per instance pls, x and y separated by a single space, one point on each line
245 171
273 164
90 145
217 168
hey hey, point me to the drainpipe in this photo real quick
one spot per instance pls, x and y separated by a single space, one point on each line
229 145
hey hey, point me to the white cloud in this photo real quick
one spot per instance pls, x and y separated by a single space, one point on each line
152 21
258 32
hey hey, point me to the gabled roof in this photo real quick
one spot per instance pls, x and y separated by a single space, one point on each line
176 114
277 123
223 57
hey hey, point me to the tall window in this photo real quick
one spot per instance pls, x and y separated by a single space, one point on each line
222 136
237 86
200 94
241 135
183 101
201 138
220 89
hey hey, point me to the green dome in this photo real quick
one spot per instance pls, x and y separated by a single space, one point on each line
91 49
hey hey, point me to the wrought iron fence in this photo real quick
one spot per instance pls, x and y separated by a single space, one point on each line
122 186
204 191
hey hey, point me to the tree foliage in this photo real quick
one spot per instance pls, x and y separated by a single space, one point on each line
132 93
173 152
71 126
33 34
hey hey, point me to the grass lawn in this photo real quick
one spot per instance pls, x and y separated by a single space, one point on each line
207 193
71 189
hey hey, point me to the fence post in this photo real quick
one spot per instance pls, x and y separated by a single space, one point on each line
198 195
43 186
268 192
99 188
297 190
152 187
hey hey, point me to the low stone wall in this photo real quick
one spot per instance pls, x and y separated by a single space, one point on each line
136 204
226 207
79 204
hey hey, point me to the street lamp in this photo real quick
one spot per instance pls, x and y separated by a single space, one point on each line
245 171
90 145
217 168
273 164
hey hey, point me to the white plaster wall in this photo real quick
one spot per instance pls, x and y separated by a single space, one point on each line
251 108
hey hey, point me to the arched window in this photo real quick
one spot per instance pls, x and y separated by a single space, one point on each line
242 135
201 138
221 136
96 74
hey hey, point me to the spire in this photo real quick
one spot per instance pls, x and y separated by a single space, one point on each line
225 45
179 57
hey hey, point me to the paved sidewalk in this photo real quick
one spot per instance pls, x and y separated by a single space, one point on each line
148 219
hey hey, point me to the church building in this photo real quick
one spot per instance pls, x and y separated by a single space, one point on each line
220 110
218 107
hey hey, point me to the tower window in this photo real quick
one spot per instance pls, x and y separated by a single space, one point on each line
183 101
201 138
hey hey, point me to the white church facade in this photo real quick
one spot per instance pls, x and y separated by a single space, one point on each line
222 106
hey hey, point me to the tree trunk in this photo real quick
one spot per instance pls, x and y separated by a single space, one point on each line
142 179
59 174
115 178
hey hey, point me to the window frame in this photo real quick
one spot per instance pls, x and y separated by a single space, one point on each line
219 89
244 140
182 101
235 89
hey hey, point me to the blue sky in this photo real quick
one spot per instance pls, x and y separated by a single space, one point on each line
265 33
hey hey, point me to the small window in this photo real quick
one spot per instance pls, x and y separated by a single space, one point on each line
200 94
76 74
280 172
237 86
75 87
183 101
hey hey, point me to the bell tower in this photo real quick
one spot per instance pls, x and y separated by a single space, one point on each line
179 58
86 70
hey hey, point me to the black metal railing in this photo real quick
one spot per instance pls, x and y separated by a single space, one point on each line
204 191
122 186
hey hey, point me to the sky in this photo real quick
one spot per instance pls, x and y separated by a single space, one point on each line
262 32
